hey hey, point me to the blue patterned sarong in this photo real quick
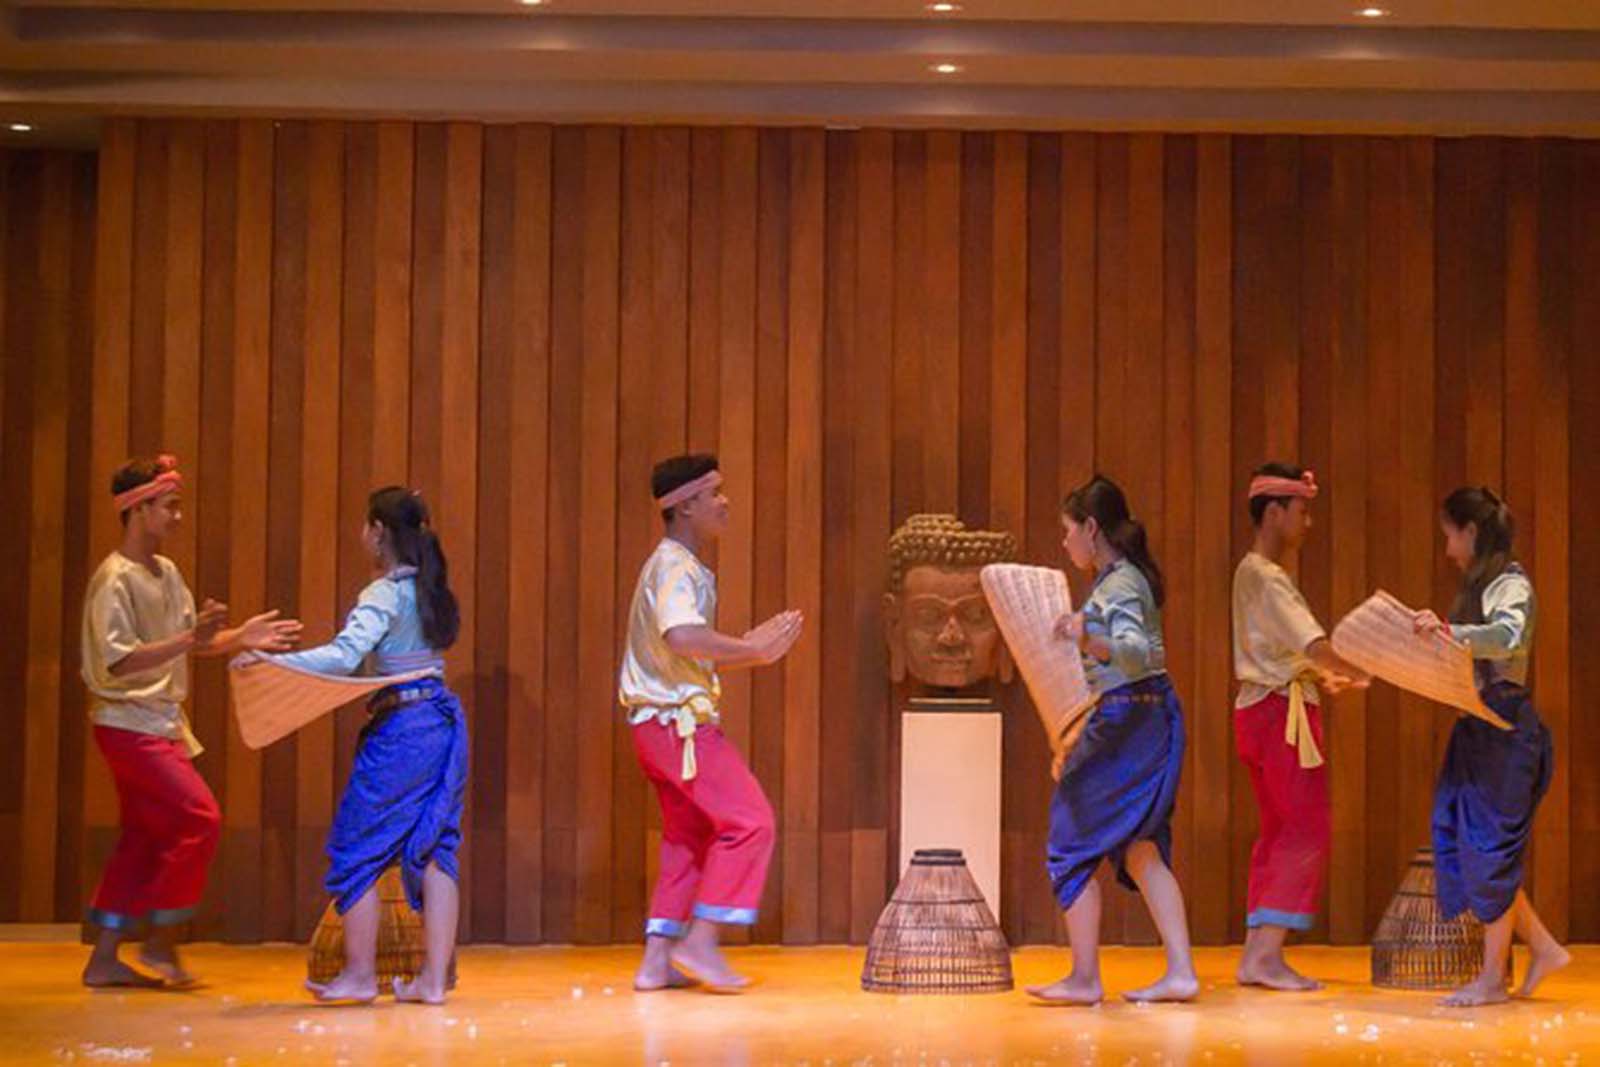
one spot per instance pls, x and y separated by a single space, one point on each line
1484 803
403 802
1119 786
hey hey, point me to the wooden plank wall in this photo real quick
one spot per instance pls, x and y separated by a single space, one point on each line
519 319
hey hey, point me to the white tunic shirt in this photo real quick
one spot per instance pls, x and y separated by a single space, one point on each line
675 589
128 606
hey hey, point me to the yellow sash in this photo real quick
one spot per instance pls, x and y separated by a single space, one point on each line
1297 728
686 719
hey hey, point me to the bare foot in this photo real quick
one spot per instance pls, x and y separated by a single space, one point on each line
114 974
167 966
1071 990
358 990
1172 989
416 992
1483 991
1275 974
650 981
710 969
1541 966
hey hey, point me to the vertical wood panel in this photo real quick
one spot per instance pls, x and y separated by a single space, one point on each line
1344 513
871 380
108 415
1213 557
769 713
1552 886
496 415
247 507
528 710
1028 778
1584 489
41 735
840 651
802 689
285 459
319 499
597 518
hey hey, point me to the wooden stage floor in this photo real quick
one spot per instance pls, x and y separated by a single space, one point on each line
566 1006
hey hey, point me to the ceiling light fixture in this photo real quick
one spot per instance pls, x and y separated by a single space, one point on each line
532 3
19 127
943 7
1373 12
945 68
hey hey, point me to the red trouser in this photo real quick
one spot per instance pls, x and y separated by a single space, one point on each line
170 825
716 830
1290 858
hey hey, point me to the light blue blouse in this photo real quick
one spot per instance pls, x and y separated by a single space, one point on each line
1122 609
1503 641
385 624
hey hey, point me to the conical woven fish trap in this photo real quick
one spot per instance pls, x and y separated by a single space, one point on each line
1418 948
937 934
401 947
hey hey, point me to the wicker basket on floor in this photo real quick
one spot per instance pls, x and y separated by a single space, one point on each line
937 934
1418 948
400 940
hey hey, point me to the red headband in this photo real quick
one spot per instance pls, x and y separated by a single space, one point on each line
708 480
1271 485
167 481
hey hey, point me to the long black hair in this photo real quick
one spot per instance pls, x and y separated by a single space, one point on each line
1101 500
404 517
1491 551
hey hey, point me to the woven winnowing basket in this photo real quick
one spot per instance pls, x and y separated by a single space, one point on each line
401 947
937 935
1415 946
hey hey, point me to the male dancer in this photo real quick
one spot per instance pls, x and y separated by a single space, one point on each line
717 827
1279 650
139 629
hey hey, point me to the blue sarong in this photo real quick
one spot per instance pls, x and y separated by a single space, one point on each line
403 802
1484 803
1119 785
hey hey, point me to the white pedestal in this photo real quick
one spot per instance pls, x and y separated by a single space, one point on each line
950 786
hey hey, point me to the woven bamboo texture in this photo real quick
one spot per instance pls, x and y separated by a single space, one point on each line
937 934
1415 946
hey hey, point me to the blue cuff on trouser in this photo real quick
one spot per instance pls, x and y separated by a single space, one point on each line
732 916
665 928
1289 920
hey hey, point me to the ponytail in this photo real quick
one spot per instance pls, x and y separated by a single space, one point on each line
1477 506
404 517
1100 499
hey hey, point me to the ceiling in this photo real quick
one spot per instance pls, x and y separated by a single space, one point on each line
1440 66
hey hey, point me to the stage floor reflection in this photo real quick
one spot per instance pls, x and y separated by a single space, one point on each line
570 1006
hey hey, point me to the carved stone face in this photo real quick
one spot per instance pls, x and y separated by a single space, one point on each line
941 631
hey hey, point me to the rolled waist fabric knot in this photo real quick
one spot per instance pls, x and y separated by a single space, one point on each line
1297 728
686 718
386 700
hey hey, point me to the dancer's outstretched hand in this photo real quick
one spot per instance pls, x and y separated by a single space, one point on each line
209 620
1070 627
1426 622
773 639
268 633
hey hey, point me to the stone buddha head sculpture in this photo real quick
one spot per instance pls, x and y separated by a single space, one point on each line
938 624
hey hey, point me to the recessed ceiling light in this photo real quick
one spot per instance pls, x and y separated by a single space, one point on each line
19 127
532 3
1373 12
943 7
945 68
